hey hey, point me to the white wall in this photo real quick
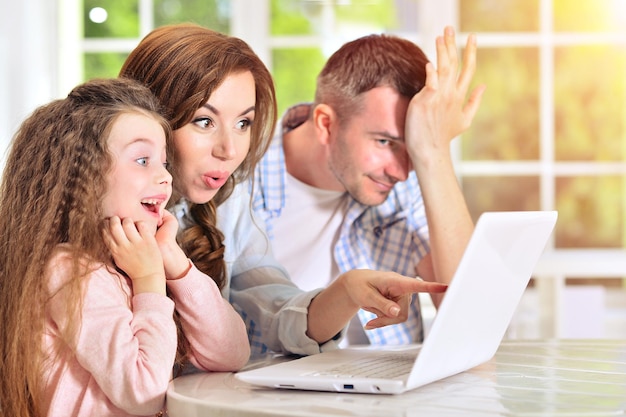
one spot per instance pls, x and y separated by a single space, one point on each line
28 68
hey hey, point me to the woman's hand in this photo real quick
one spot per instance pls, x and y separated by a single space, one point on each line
386 294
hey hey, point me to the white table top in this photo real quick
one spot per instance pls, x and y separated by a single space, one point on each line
525 378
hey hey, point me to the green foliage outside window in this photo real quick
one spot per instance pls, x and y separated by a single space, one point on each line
122 19
295 76
103 65
214 14
122 22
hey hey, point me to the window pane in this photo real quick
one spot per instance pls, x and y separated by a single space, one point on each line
295 71
103 65
506 126
500 194
372 14
499 15
306 17
111 18
290 17
589 15
214 14
591 212
590 103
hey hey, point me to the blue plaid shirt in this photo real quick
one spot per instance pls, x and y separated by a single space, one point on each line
391 237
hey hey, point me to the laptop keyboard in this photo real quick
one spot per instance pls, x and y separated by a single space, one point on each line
383 366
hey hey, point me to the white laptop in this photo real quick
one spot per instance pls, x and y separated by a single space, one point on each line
466 332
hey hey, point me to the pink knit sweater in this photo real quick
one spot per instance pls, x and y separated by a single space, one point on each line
120 361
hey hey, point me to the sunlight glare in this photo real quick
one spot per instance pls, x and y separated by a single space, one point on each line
98 15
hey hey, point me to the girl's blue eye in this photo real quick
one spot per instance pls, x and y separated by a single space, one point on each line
143 161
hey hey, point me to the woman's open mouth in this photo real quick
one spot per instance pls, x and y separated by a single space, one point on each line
214 182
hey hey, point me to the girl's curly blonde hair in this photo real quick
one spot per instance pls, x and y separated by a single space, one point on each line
51 191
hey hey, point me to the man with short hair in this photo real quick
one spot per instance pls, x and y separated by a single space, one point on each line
363 177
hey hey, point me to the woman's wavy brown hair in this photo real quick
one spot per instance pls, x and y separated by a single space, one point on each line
183 64
51 191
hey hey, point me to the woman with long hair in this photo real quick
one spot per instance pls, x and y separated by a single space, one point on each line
221 104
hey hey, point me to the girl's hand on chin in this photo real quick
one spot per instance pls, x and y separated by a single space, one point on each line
135 251
175 261
166 232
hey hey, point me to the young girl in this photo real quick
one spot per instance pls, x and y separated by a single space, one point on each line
222 107
88 251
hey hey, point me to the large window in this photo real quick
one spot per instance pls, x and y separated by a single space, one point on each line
551 132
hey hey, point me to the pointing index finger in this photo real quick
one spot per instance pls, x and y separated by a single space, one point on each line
428 286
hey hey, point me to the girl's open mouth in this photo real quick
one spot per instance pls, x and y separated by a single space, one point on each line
151 205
